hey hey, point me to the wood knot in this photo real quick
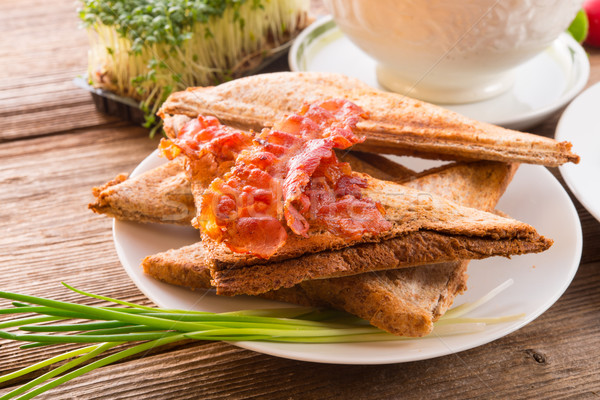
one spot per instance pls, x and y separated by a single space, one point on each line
537 356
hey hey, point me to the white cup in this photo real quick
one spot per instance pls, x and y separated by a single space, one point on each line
451 51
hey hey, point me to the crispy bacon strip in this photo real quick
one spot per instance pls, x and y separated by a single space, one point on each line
291 173
206 135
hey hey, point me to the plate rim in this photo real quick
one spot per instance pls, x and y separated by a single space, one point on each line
566 172
274 349
577 78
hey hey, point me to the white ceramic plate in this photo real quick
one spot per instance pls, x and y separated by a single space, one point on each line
580 125
540 279
543 84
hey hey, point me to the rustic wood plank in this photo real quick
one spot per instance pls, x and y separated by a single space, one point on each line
40 54
49 235
38 38
44 122
47 92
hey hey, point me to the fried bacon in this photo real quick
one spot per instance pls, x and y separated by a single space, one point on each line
291 174
206 135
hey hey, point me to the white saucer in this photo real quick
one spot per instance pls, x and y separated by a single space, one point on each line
580 125
543 84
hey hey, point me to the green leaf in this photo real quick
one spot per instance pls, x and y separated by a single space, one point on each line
579 27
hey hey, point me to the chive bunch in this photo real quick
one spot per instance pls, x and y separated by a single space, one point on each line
146 49
144 328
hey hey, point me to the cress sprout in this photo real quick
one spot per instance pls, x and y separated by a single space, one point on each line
146 49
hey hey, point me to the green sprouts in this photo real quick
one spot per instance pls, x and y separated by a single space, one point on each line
146 49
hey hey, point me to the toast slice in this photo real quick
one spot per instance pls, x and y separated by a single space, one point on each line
426 229
252 252
405 301
397 124
163 194
418 221
413 249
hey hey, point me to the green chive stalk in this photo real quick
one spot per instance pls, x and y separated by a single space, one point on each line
144 328
146 49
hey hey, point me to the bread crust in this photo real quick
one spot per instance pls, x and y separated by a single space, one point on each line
413 249
403 302
186 266
397 124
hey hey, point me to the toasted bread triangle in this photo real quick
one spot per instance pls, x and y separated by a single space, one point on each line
403 301
397 124
413 249
407 301
163 194
425 228
416 216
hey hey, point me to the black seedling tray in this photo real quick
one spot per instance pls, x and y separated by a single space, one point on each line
129 109
113 104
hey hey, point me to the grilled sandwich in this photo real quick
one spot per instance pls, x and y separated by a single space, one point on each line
404 301
397 124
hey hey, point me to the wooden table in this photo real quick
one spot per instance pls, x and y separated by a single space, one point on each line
54 146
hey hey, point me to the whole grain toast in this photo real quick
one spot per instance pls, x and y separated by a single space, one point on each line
136 199
414 249
397 124
163 194
428 230
425 229
404 301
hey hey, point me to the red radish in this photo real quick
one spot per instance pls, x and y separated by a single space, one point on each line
592 8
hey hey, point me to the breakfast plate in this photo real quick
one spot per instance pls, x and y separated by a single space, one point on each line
532 196
579 124
543 84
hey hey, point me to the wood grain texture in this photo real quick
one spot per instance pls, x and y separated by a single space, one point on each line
49 236
42 45
54 147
